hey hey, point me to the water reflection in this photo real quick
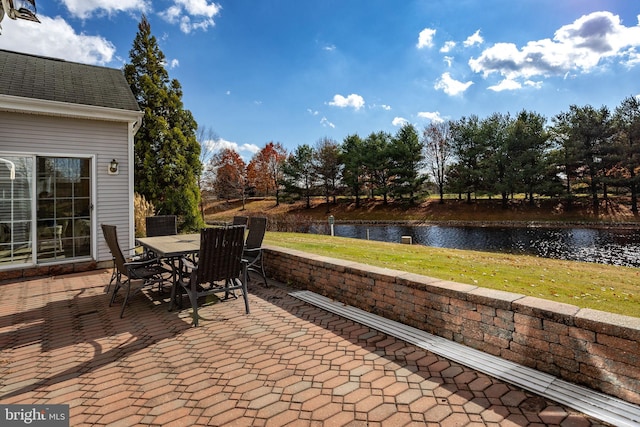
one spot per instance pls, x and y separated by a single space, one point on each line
607 246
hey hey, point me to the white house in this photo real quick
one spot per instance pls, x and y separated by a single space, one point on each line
66 155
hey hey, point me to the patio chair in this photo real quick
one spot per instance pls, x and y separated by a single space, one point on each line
149 271
253 246
161 225
240 220
220 267
136 256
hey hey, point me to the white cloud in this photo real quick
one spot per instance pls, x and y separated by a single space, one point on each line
221 144
451 86
192 14
448 46
353 100
448 60
425 38
329 48
531 83
86 8
54 37
251 148
433 116
174 63
581 46
474 39
399 121
313 112
386 107
505 84
326 123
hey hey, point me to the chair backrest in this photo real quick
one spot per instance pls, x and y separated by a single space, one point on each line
257 228
111 237
220 255
161 225
240 220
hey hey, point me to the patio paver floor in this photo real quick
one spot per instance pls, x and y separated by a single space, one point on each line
286 363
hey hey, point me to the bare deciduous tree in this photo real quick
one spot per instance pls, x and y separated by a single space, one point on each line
437 143
207 138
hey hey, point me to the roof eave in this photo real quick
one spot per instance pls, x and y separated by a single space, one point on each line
64 109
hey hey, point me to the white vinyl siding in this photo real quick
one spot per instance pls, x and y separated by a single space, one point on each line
101 141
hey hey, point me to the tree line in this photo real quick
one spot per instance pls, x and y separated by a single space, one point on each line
582 150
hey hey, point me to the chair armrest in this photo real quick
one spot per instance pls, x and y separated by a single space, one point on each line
133 248
251 251
188 263
188 269
142 263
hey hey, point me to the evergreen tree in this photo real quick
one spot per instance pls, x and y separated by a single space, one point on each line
166 152
353 174
299 174
494 157
528 148
586 134
377 162
407 158
327 166
467 148
627 146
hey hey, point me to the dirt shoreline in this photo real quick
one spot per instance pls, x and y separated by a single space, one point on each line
454 213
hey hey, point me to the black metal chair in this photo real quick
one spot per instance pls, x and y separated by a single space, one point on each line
220 268
148 271
253 246
161 225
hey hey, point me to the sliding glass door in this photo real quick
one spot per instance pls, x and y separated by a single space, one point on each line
60 212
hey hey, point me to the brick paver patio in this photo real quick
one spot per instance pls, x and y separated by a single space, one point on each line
285 364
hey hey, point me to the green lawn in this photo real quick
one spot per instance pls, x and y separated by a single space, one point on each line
588 285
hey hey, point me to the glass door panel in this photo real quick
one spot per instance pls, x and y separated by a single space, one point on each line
15 210
64 208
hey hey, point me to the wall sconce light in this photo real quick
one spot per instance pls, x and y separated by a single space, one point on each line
113 167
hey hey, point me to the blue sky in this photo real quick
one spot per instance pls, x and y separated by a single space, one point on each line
296 71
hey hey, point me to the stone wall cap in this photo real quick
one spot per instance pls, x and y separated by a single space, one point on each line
553 310
484 295
609 323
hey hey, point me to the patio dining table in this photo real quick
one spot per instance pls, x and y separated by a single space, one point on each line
173 246
171 249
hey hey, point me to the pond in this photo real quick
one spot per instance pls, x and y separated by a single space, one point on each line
615 246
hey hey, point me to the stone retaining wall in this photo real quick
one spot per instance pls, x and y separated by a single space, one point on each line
588 347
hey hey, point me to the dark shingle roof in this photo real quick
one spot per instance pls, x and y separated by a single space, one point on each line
37 77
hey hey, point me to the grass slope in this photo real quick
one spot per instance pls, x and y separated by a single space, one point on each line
588 285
